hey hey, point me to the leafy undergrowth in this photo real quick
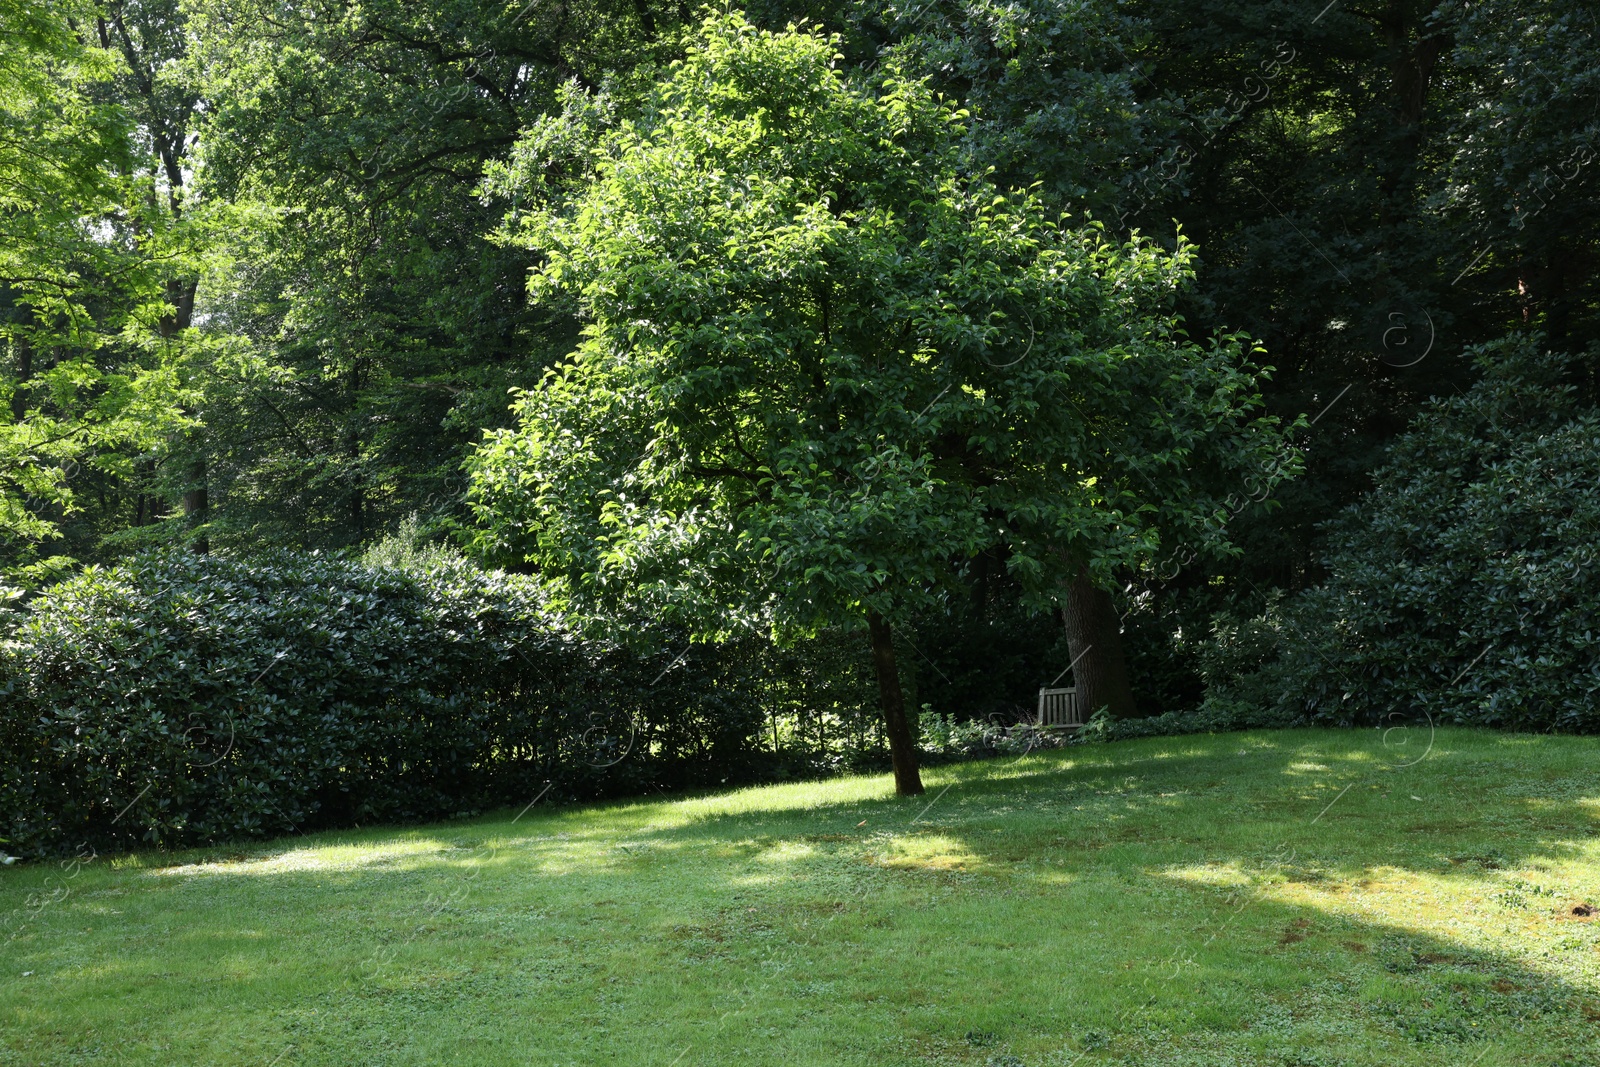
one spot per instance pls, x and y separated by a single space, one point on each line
1309 897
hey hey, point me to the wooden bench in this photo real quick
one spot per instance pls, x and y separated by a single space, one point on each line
1060 707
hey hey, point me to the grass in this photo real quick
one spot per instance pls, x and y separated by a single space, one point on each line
1284 898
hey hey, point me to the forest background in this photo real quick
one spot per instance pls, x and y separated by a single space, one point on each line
259 306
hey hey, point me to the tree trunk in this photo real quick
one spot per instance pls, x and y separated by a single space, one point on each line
1414 50
196 503
1094 640
195 499
19 396
180 294
902 746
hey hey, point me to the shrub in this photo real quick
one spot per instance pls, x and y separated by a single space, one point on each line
945 737
176 699
1215 716
1464 586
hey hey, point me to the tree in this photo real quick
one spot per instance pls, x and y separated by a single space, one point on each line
79 278
159 90
1373 183
824 368
384 327
1520 183
1055 98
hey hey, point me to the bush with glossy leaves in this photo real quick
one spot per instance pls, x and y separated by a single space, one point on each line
1464 587
178 699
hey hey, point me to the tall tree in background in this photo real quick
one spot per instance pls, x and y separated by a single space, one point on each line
1522 180
384 328
88 390
1056 103
158 89
1369 183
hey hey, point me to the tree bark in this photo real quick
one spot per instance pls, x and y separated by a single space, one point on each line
196 504
180 294
902 746
1094 640
19 396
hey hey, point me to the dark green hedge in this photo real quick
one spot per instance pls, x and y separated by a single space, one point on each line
1465 587
179 699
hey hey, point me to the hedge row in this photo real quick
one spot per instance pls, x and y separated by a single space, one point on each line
178 699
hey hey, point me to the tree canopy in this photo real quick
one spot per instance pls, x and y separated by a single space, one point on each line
823 368
82 254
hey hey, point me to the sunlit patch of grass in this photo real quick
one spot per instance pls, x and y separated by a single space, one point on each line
1273 898
1211 874
922 852
340 857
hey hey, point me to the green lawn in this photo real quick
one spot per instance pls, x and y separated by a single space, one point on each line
1174 901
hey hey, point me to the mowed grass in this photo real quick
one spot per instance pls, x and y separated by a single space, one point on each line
1176 901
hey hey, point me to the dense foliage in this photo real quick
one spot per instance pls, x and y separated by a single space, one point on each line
816 352
263 289
176 698
1367 186
86 245
1463 588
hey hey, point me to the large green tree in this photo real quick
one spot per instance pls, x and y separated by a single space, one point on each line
824 367
384 327
88 382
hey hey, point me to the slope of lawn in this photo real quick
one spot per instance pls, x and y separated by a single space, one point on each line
1309 897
